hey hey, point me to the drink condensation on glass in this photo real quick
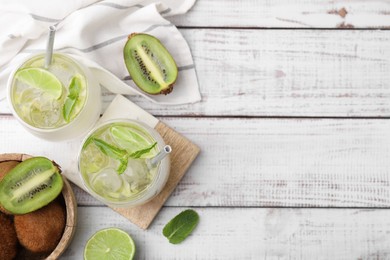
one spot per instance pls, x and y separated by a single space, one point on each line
115 171
56 103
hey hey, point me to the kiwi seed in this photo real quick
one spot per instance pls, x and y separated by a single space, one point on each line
31 185
150 64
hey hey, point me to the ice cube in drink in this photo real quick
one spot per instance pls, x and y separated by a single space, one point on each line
56 103
113 163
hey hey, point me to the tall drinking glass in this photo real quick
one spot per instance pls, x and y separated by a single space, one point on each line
57 103
116 163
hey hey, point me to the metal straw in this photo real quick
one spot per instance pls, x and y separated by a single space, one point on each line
158 158
49 46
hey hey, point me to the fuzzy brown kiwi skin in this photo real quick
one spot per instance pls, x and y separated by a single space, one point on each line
164 91
3 210
131 35
167 90
58 167
6 166
8 238
40 231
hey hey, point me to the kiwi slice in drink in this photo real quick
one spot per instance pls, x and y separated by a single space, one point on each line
31 185
150 64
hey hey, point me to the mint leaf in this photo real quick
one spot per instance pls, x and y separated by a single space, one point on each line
73 96
113 152
139 153
181 226
68 108
122 166
74 88
88 141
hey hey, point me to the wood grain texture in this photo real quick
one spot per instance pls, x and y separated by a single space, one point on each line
262 162
287 14
315 162
71 222
70 203
284 73
183 154
250 72
239 233
287 73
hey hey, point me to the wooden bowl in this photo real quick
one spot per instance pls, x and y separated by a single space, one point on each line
70 205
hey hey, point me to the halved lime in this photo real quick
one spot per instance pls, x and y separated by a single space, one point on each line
42 79
130 140
110 243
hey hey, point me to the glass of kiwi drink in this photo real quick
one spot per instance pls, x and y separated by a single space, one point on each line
117 163
57 102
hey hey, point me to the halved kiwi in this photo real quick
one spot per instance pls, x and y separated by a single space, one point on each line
150 64
5 167
31 185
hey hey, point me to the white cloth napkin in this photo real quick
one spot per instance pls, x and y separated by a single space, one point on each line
95 33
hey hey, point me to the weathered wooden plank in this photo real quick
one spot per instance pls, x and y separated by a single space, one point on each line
285 73
261 162
288 14
288 73
252 233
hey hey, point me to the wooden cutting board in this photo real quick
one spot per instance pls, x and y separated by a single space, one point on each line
183 154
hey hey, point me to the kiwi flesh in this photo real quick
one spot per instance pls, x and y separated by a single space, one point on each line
6 166
31 185
149 63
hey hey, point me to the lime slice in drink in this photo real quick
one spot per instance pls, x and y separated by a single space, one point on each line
92 159
130 140
110 243
42 79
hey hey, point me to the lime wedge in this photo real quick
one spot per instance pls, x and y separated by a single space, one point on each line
128 139
42 79
110 243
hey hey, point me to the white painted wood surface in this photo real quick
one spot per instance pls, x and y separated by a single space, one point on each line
288 14
252 233
262 143
261 162
285 73
288 73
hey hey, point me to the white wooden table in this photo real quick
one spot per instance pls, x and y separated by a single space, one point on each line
294 127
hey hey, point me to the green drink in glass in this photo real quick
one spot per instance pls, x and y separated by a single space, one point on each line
59 102
118 163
